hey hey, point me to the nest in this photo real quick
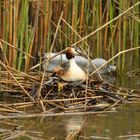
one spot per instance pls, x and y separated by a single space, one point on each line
52 95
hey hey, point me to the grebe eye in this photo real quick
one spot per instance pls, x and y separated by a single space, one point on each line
76 49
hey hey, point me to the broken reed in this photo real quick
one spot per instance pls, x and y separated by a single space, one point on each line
30 26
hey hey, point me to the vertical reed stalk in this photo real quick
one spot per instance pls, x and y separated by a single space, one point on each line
65 16
81 16
124 36
32 36
10 55
87 22
45 22
96 10
98 25
101 32
120 37
111 27
93 47
131 27
48 20
15 30
106 30
22 31
5 25
42 30
74 19
0 19
136 13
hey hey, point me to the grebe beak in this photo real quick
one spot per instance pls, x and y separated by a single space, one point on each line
81 53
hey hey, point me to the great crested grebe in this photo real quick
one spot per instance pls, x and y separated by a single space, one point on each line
80 61
70 71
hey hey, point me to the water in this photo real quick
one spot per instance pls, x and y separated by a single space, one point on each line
122 124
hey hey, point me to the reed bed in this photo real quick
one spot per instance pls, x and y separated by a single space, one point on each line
30 25
57 96
29 28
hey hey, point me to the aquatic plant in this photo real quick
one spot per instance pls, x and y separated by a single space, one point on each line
28 26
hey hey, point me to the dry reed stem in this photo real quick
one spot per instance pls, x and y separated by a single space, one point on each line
72 99
130 136
23 74
118 54
9 110
17 81
81 16
10 34
56 105
24 104
20 104
17 49
42 106
14 135
116 103
3 57
47 62
40 87
53 114
134 17
100 28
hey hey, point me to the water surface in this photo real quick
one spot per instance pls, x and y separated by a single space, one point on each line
122 124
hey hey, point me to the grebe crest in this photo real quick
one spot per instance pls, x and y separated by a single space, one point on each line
71 52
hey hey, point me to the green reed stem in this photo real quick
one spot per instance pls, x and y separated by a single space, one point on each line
124 36
97 11
136 12
120 37
111 13
21 30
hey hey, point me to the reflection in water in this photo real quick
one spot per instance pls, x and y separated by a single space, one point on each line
121 125
73 123
124 81
113 125
128 82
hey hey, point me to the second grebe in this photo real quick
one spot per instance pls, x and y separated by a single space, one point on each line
81 61
70 71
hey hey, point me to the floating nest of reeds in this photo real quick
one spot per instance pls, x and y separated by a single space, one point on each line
52 95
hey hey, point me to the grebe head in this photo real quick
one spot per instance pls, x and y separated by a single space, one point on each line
71 52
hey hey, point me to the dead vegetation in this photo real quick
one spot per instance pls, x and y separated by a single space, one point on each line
55 96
